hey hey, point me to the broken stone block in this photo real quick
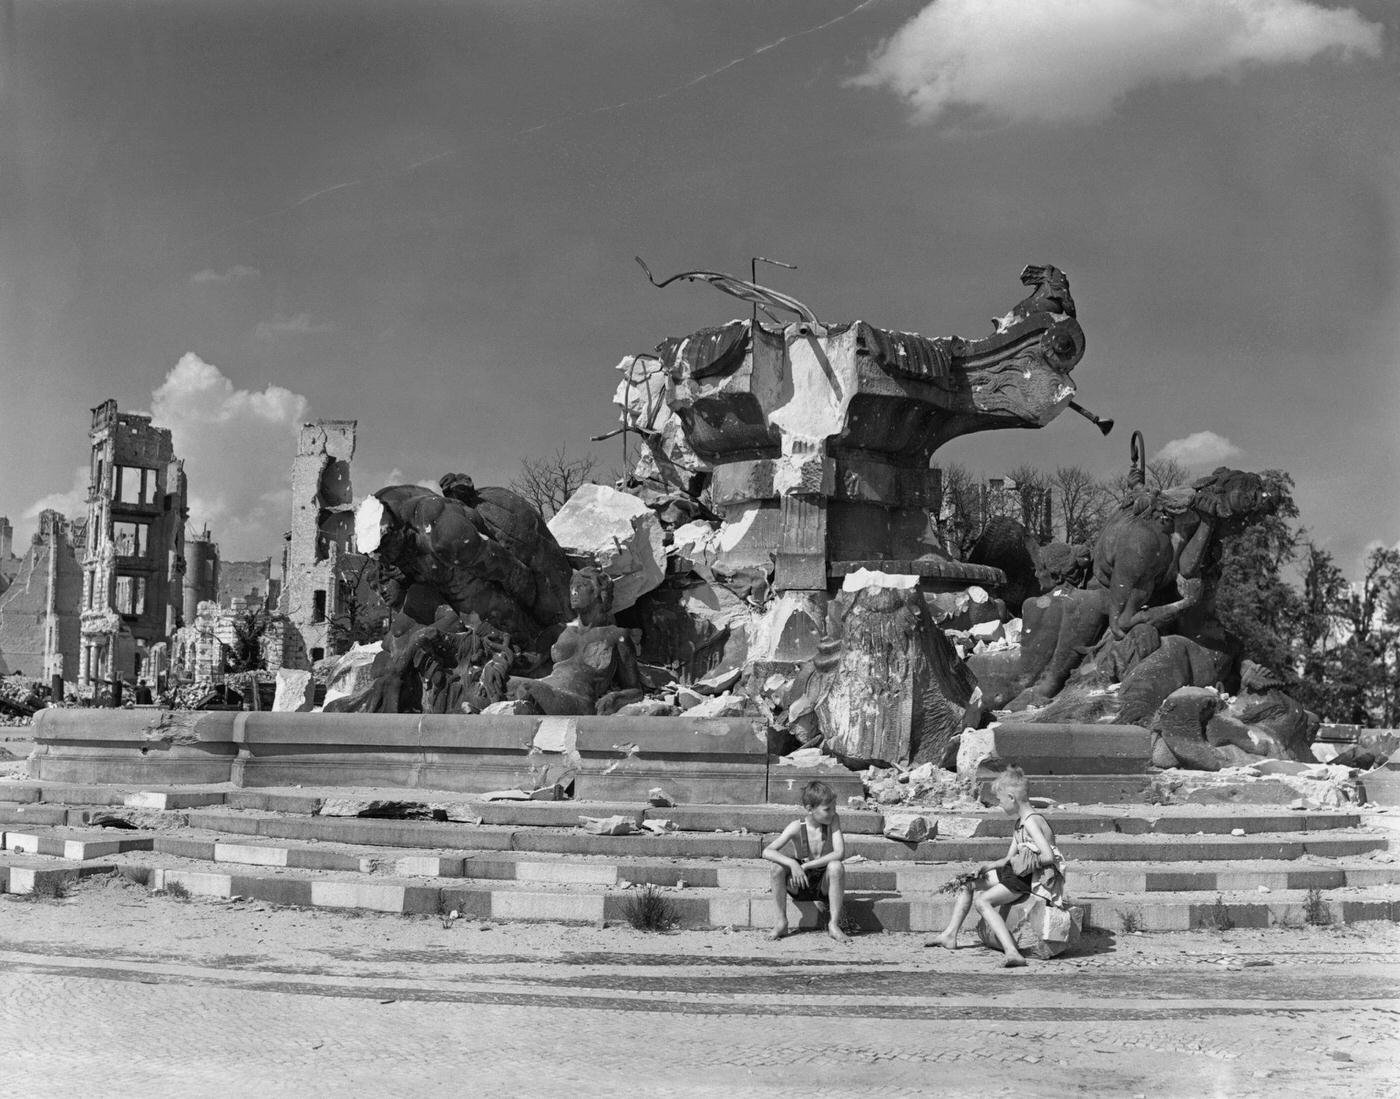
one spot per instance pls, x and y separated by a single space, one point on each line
975 746
987 631
1027 922
619 532
295 692
899 694
352 674
649 707
509 706
658 797
608 826
906 826
659 827
725 705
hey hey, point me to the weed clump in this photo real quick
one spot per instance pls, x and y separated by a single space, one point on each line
1130 919
1315 910
49 889
1216 917
651 910
176 891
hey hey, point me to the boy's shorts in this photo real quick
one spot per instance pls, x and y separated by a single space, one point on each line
815 891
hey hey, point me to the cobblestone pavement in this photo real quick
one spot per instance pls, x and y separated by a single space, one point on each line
112 993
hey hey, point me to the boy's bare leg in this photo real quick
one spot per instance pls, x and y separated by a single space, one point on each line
836 898
779 879
987 902
948 937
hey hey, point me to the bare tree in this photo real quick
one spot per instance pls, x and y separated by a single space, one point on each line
549 482
961 517
1033 495
1162 474
1084 503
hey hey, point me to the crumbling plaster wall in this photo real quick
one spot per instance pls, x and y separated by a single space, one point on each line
32 640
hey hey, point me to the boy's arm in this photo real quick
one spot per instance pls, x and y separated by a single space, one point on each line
1040 833
774 851
837 852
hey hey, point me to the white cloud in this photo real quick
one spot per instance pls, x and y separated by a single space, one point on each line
1054 60
72 503
1201 448
237 273
300 324
238 446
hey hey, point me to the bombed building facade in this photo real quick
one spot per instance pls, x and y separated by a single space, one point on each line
134 557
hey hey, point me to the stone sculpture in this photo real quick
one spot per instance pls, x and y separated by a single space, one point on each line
814 438
476 585
1154 571
595 664
486 553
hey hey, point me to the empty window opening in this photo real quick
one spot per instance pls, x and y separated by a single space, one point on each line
135 485
131 595
131 539
318 606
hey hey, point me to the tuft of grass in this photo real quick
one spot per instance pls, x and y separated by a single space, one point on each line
176 891
848 923
45 889
1315 909
1130 919
1217 916
651 910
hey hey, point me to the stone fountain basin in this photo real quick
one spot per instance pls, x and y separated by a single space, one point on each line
718 761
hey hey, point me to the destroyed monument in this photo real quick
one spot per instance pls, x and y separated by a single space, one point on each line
768 575
808 445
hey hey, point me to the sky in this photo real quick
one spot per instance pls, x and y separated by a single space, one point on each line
422 216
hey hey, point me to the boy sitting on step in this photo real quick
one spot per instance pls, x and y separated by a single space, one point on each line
1009 879
814 871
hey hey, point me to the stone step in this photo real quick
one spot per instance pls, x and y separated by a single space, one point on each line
1330 843
77 844
904 878
35 802
702 907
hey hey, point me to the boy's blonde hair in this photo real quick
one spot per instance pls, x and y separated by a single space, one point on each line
1012 781
817 793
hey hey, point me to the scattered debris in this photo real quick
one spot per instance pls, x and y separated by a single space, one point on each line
608 826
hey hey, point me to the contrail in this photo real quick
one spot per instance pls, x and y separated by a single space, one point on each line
259 218
699 79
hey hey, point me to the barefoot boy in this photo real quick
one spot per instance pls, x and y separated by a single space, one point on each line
1008 879
816 873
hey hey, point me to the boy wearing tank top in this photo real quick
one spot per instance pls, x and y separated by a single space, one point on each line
814 871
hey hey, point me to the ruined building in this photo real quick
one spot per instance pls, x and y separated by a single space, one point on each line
203 573
9 563
39 631
134 559
251 581
323 531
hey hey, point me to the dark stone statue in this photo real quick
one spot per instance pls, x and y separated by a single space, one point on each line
477 585
595 664
486 553
1154 570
